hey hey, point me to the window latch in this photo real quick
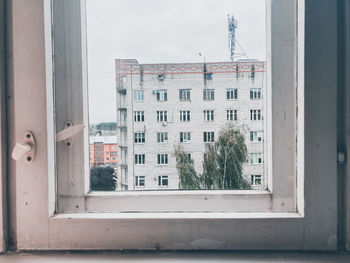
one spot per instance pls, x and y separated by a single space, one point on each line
68 133
341 157
27 148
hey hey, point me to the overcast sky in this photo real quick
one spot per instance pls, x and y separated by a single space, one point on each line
163 31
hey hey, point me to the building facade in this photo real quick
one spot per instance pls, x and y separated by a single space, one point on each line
103 151
161 105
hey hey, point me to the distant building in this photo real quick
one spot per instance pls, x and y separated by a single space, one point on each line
160 105
103 151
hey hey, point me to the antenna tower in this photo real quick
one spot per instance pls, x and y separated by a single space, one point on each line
232 40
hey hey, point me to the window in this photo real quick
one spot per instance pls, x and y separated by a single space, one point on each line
114 153
162 116
162 95
184 94
255 94
163 180
255 115
231 115
208 94
139 95
140 180
185 115
256 136
231 94
162 137
139 116
255 158
139 137
139 158
255 180
162 158
208 115
208 137
185 137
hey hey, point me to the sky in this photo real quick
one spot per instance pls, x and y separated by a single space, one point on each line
163 31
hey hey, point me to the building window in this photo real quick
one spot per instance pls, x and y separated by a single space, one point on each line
140 180
113 147
139 95
139 159
114 159
255 94
163 180
231 94
184 94
255 158
255 180
255 115
208 115
162 116
185 115
139 116
162 137
208 137
162 158
256 136
185 137
139 137
114 153
208 94
231 115
162 95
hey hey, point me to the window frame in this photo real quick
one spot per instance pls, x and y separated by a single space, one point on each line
47 228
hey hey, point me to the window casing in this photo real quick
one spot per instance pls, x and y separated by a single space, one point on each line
139 95
185 137
162 158
139 116
255 115
208 115
185 116
255 158
163 180
140 181
255 94
162 137
231 94
256 136
162 95
184 94
231 115
208 94
162 116
139 159
255 180
139 137
208 136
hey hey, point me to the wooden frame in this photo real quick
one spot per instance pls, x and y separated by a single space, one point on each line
39 227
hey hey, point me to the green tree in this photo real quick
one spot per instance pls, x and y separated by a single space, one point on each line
185 167
224 159
103 178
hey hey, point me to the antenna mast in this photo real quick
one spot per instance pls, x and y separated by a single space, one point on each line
232 25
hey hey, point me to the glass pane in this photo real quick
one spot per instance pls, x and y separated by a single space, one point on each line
145 59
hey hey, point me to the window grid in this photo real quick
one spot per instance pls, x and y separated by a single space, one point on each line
208 94
162 95
139 158
162 116
255 180
255 115
140 180
163 180
185 137
208 136
255 158
139 116
139 95
185 115
232 115
139 137
256 136
255 93
232 94
162 158
184 94
208 115
162 137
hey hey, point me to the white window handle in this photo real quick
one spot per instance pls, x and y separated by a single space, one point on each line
27 148
68 133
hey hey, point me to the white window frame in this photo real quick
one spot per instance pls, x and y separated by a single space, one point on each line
139 116
255 158
139 179
208 115
162 137
139 137
208 137
255 115
185 137
255 93
208 94
162 95
160 180
139 159
41 222
162 116
184 94
231 113
253 178
139 95
162 159
255 135
185 115
232 94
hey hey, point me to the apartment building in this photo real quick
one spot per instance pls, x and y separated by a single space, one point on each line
161 105
103 151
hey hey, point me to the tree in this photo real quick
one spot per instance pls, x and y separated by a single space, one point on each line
103 178
224 159
185 167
